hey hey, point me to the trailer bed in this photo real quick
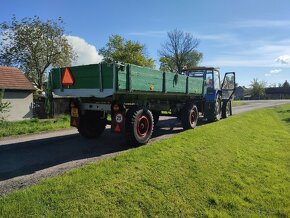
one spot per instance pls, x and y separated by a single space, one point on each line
108 79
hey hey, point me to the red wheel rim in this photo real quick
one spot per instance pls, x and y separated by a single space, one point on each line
193 116
142 126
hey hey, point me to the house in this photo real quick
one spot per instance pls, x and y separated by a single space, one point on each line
278 93
18 90
239 93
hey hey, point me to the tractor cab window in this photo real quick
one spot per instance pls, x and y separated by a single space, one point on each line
217 84
209 81
195 74
229 82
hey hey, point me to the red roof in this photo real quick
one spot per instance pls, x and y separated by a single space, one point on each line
13 78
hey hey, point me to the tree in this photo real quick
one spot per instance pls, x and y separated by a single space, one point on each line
34 46
4 106
179 51
167 64
120 49
286 84
257 88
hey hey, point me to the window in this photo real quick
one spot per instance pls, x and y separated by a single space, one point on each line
217 84
195 74
229 82
209 79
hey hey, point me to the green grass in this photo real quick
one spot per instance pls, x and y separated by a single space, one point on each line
33 126
166 113
236 167
238 103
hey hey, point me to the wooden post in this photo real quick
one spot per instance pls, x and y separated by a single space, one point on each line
187 82
129 78
100 77
164 83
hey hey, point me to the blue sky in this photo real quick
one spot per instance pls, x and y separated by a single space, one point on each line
250 37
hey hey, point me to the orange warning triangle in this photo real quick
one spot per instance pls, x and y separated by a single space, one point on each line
117 128
67 78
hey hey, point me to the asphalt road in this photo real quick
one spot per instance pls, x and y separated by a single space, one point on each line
26 160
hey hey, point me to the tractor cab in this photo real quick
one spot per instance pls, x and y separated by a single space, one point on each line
217 94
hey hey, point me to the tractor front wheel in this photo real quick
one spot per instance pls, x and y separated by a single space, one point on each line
226 109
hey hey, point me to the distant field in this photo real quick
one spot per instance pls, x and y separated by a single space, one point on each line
237 167
33 126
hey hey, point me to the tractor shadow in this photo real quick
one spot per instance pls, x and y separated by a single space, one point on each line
170 126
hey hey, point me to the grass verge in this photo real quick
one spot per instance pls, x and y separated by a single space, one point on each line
236 167
238 103
33 126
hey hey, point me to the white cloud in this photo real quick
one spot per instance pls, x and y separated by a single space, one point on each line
223 37
234 60
161 33
87 53
253 53
283 59
275 71
263 23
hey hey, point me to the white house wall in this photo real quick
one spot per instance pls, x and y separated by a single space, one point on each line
21 104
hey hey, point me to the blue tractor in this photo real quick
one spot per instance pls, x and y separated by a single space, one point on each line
217 94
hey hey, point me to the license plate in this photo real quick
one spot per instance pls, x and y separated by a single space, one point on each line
74 112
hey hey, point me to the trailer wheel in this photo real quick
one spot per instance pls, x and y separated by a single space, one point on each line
189 116
91 124
156 115
178 115
139 126
226 109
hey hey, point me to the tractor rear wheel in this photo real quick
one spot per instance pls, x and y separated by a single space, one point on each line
189 116
217 110
139 126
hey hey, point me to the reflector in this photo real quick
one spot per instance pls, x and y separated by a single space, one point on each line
67 78
117 128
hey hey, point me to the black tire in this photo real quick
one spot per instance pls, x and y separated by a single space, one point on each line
91 124
139 126
217 110
226 109
178 115
231 108
156 115
189 116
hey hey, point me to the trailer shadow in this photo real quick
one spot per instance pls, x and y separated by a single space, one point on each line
28 157
25 158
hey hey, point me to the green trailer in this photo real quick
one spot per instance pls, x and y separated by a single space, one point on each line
135 97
